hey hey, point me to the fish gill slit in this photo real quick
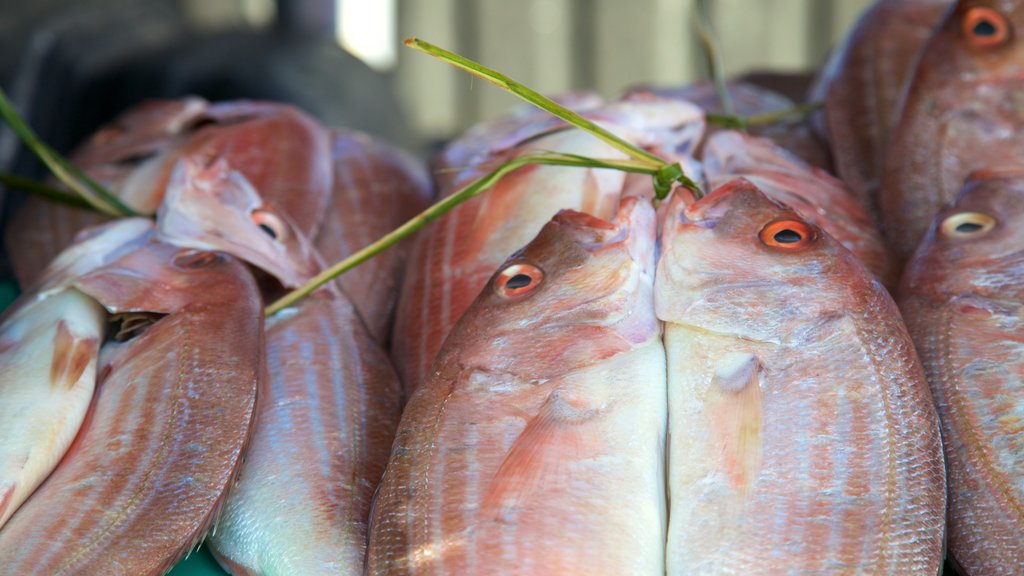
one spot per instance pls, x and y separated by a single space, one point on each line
186 354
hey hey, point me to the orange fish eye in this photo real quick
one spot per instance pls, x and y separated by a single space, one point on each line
985 27
787 234
270 224
967 225
195 258
518 279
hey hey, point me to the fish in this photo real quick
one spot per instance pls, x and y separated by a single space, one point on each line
324 428
171 415
376 189
802 435
861 85
963 300
454 256
749 99
820 198
281 151
962 112
49 345
537 443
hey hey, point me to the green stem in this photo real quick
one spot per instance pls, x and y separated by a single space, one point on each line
67 173
799 111
533 97
42 190
716 68
444 205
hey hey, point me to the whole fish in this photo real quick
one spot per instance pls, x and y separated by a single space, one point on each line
377 188
454 256
49 343
329 410
173 407
963 298
962 112
803 439
536 445
281 151
862 83
749 99
820 198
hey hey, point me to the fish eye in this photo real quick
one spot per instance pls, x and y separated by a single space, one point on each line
195 259
787 234
967 225
518 279
270 224
985 28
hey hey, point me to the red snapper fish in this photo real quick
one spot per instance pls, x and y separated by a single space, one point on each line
962 113
803 439
537 444
863 82
454 256
164 437
963 298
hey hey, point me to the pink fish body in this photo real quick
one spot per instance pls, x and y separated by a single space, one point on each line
802 438
536 446
161 444
963 300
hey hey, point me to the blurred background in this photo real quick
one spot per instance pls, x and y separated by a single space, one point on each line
552 45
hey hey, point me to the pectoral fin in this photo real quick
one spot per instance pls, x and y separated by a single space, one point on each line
735 405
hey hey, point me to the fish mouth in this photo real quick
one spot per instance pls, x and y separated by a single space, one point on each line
632 229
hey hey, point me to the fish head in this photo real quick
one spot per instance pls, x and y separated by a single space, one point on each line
978 38
976 244
213 207
580 292
738 263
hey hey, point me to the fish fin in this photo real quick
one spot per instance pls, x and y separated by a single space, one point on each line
537 457
737 414
71 356
6 494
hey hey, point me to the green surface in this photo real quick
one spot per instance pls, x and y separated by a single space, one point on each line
199 563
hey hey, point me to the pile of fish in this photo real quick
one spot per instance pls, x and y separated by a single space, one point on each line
794 372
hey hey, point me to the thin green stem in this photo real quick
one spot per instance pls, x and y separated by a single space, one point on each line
67 173
797 112
444 205
716 68
533 97
42 190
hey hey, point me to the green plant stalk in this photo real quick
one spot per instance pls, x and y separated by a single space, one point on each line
716 68
743 122
42 190
441 207
72 177
534 98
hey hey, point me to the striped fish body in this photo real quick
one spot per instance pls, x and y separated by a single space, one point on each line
323 433
376 189
163 439
862 84
454 256
281 151
963 300
536 447
820 198
802 436
962 112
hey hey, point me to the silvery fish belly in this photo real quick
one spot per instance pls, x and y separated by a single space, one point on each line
962 112
163 439
537 444
324 429
454 256
963 298
802 438
49 343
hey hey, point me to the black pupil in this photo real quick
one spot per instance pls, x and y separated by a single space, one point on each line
518 281
968 227
787 236
270 231
984 28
